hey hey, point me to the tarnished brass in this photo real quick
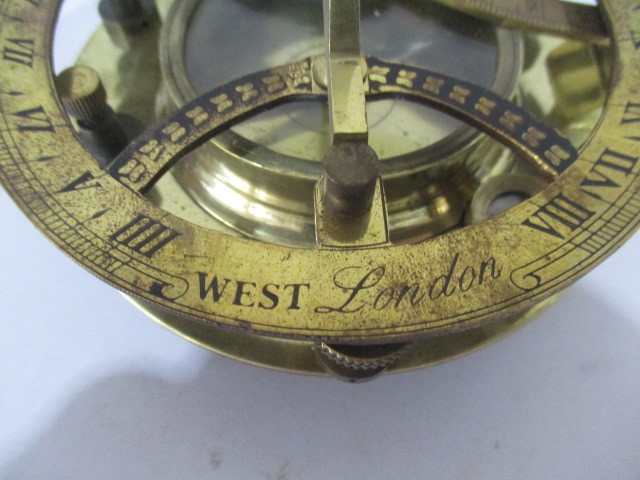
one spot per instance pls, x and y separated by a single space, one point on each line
85 99
550 16
350 305
350 175
366 230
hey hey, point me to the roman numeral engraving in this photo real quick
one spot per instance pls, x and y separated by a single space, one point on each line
610 164
559 217
19 50
83 182
631 113
34 120
144 235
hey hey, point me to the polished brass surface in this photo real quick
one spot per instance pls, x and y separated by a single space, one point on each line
578 84
409 31
347 111
350 165
279 153
358 302
302 357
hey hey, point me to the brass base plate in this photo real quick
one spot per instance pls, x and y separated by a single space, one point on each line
302 357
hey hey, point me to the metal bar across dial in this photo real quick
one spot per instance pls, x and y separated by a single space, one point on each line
345 72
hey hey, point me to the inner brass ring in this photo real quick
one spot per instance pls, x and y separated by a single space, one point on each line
174 71
267 195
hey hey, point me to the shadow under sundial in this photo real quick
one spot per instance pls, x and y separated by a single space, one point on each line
556 400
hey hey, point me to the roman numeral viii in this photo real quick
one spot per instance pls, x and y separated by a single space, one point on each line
144 235
559 217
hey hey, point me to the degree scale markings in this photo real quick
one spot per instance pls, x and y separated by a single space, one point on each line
145 160
142 164
39 189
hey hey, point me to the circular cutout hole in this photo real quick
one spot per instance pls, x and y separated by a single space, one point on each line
505 201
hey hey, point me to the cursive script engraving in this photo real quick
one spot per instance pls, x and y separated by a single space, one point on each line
367 289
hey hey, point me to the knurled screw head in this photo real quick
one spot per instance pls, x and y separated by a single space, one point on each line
82 93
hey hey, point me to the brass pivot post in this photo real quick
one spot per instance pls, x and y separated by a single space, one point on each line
350 165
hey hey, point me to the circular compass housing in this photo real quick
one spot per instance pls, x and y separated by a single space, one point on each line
279 153
469 228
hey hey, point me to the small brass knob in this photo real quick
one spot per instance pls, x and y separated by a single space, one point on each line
83 94
84 97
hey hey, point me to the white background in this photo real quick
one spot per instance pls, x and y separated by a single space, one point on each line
92 389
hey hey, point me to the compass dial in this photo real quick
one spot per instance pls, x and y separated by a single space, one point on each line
341 292
279 152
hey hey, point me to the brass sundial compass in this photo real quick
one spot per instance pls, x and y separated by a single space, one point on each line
324 188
